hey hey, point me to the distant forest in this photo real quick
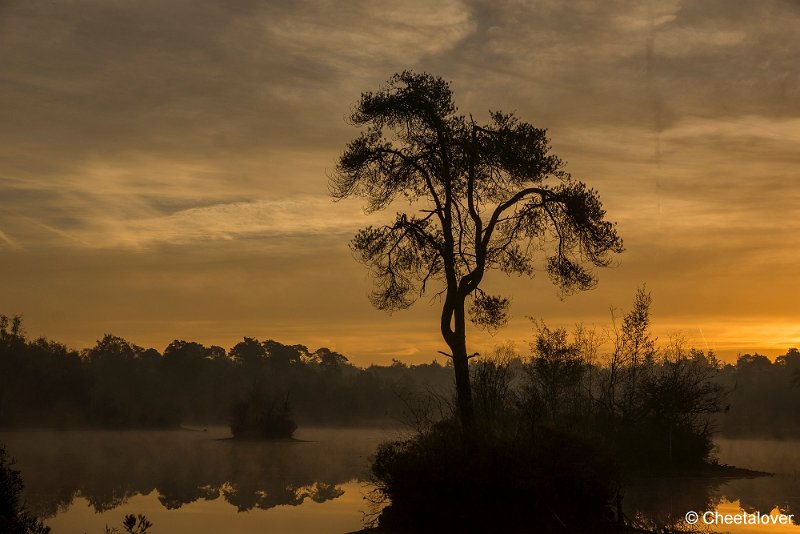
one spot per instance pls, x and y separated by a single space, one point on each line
118 384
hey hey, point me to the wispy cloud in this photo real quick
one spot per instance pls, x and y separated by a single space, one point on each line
294 217
308 216
7 241
130 127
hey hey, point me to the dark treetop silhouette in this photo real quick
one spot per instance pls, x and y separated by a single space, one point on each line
487 196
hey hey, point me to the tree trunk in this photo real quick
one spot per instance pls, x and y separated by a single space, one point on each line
458 346
466 412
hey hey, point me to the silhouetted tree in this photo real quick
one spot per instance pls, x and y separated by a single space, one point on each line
674 404
280 355
249 352
555 373
763 396
132 525
328 358
125 385
487 196
15 332
633 351
188 370
491 379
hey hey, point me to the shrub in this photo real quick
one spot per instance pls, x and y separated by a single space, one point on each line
132 525
495 481
14 517
262 415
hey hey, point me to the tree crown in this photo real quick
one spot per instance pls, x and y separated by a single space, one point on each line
485 196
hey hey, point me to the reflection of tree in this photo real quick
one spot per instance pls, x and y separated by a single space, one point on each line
105 498
173 496
758 495
321 492
107 468
246 497
278 494
658 503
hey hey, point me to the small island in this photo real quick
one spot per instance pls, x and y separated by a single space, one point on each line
261 415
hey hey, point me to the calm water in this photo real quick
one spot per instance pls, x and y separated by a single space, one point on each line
201 483
197 482
665 502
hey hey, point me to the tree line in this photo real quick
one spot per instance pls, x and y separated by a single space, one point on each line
573 378
118 384
764 396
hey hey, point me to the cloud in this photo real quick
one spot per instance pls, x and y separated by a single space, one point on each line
365 35
291 217
630 62
142 227
134 127
7 241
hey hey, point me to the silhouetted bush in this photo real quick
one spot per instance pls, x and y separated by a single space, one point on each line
654 406
552 434
542 480
508 473
262 415
14 517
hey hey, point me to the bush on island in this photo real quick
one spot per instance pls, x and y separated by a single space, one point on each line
262 415
441 481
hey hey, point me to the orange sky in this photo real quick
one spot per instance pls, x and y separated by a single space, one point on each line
163 165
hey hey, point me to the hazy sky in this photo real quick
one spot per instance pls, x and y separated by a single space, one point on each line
163 163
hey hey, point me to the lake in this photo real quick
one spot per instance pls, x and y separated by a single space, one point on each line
666 501
195 481
201 482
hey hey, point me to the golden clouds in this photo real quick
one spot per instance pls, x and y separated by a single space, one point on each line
172 156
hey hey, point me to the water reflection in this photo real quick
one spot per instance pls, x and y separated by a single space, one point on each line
661 504
781 491
168 470
108 468
658 504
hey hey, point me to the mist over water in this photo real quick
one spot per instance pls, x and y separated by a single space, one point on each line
781 457
200 481
197 481
782 490
663 502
